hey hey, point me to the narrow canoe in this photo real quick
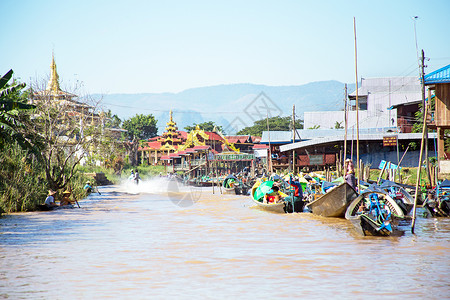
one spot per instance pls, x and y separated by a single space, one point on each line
366 224
272 207
335 202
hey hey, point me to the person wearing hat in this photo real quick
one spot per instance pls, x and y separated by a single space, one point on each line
66 198
50 200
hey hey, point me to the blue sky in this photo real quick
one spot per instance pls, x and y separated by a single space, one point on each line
169 46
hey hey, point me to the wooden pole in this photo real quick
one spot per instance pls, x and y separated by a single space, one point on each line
345 125
293 138
416 193
357 104
269 161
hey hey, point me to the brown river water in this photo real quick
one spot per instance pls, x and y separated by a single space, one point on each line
143 242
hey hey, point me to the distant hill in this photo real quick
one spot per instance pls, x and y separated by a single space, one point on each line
232 106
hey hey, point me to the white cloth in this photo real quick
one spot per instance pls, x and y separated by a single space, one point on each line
50 200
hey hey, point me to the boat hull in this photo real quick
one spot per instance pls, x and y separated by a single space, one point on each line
272 207
228 191
335 202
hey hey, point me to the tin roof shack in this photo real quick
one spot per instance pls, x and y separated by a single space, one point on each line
439 119
319 148
375 97
276 139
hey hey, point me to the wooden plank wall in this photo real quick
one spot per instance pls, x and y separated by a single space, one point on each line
442 115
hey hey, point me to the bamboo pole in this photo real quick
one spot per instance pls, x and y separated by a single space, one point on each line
269 161
357 104
346 126
416 193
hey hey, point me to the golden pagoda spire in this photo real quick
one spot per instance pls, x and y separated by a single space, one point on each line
53 83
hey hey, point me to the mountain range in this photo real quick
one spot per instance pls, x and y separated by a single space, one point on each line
232 106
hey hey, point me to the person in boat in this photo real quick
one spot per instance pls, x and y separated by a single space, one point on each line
50 200
136 176
66 198
88 188
297 195
350 174
273 196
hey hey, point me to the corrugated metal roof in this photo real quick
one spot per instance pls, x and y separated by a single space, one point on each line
439 76
362 137
277 137
384 84
285 137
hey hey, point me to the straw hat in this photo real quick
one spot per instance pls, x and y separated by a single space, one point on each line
67 192
51 192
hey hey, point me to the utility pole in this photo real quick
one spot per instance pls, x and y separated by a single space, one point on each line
422 79
293 137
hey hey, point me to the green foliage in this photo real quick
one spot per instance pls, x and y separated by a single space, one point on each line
206 126
15 115
275 124
112 121
338 125
141 126
418 125
315 127
22 179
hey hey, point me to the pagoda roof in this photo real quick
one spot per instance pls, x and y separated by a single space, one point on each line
261 146
213 136
441 75
256 139
241 139
201 147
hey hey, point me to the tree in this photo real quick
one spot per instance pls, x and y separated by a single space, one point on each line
206 126
70 129
141 126
112 121
14 114
275 124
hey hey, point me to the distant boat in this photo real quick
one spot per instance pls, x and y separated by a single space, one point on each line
334 202
375 213
438 202
229 185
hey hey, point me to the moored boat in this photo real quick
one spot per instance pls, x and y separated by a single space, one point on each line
375 213
404 200
272 207
334 202
258 192
229 185
438 201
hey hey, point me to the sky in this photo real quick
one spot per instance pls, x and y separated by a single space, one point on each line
169 46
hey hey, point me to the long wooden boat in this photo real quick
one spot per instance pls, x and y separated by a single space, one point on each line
272 207
43 207
335 202
375 213
404 199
